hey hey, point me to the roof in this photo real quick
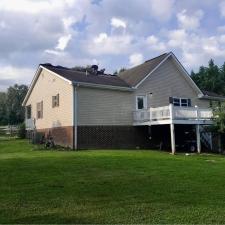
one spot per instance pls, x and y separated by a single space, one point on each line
212 94
81 77
136 74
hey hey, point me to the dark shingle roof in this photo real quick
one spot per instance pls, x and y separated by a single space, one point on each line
212 94
134 75
77 76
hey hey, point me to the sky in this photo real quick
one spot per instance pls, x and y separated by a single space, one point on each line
110 33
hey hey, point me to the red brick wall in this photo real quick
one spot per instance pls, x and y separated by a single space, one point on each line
62 136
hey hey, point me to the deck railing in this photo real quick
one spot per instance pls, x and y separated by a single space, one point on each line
30 124
171 112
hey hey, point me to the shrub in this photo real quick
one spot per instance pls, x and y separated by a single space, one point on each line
22 131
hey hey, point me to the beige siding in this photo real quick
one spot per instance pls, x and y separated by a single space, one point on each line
104 107
47 86
168 81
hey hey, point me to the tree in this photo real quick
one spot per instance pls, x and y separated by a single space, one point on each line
120 71
3 110
211 78
15 96
219 122
219 118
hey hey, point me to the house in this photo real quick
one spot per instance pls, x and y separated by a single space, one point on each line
148 105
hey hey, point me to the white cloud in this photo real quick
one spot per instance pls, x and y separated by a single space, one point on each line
24 6
115 22
162 9
68 22
104 44
63 42
177 38
154 44
152 40
52 52
16 73
136 59
222 8
189 21
100 38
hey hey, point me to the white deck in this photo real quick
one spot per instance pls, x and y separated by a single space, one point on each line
172 115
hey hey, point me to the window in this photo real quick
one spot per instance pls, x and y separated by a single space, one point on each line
141 102
40 110
55 101
28 112
184 102
176 101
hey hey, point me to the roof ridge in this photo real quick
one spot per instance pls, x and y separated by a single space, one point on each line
157 57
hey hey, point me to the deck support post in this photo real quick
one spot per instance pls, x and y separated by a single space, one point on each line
198 138
172 133
172 130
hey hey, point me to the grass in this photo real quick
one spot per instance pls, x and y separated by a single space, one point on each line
39 186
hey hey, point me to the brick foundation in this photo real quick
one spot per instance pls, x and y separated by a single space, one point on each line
62 136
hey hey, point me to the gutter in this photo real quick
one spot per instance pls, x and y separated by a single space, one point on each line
100 86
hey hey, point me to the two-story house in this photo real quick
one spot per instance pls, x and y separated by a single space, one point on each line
148 105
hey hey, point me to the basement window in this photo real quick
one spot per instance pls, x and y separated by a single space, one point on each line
55 101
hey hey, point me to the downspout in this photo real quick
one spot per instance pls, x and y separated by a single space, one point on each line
75 105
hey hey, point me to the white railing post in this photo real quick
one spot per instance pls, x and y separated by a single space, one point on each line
171 112
197 112
149 114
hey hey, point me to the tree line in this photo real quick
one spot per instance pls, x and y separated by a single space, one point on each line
11 110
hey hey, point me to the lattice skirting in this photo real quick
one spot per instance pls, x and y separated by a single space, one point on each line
113 137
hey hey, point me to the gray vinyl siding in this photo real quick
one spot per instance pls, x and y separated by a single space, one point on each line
168 81
104 107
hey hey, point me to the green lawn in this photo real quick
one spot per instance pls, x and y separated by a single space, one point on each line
136 186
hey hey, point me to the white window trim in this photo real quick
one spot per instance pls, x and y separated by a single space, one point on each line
145 101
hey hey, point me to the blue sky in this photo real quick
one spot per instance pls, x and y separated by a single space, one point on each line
110 33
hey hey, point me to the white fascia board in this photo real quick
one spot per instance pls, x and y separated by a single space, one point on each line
152 71
32 85
84 84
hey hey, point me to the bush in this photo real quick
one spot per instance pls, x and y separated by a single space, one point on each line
22 131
